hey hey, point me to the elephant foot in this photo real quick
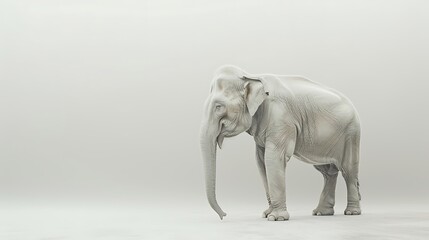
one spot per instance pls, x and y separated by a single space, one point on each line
278 215
352 211
323 211
266 212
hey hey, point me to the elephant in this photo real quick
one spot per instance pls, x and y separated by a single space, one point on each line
287 116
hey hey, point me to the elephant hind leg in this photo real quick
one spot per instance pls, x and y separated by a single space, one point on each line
350 170
327 197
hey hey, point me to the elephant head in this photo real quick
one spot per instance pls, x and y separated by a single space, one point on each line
234 98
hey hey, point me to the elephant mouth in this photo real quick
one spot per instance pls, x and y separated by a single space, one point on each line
236 131
228 135
232 133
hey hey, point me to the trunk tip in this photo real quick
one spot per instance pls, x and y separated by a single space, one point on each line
221 215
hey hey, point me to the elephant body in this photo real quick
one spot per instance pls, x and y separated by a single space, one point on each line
317 120
287 116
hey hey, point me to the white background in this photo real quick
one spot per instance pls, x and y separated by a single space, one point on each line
101 103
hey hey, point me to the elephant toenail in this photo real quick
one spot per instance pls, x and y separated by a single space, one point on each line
319 214
348 213
280 219
271 218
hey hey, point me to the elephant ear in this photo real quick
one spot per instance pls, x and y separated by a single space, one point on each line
254 93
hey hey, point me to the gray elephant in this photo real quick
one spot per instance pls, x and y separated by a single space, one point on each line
287 116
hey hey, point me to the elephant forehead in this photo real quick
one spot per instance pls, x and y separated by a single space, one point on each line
228 83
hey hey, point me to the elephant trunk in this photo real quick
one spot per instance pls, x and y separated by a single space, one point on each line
208 149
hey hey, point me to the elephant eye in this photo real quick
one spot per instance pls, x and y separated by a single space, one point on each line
219 107
220 110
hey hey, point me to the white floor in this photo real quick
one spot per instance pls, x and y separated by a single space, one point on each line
151 221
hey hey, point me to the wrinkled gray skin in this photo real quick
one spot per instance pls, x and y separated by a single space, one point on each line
286 115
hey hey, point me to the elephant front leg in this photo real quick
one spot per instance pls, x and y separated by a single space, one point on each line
275 165
260 160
